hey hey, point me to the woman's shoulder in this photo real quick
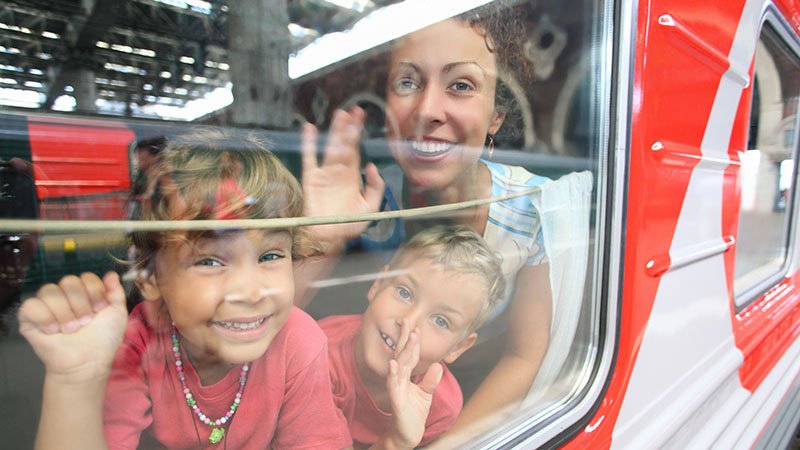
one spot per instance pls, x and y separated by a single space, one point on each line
513 177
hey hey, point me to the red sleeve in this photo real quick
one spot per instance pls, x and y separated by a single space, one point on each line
308 418
127 406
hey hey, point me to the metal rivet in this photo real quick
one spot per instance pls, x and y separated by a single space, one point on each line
666 20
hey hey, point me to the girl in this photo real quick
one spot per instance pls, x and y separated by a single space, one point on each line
445 102
216 356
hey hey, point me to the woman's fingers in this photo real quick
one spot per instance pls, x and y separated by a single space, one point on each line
308 148
344 136
373 187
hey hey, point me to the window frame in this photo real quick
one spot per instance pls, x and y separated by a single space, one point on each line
773 22
616 34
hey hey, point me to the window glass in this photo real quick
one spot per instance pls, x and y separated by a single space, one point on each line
768 166
426 116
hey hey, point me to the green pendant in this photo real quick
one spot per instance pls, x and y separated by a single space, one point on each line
216 435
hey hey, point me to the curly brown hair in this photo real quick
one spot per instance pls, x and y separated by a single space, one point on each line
213 174
503 28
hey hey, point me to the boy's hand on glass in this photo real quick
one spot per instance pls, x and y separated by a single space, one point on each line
411 402
75 326
335 187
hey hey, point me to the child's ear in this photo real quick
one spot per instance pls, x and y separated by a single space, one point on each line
146 282
461 347
376 285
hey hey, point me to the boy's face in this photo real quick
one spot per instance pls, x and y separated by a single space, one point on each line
440 303
228 294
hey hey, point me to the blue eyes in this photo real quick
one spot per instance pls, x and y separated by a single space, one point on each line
208 262
271 256
215 262
461 86
407 84
403 293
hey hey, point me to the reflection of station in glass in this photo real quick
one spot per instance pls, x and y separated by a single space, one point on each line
545 43
17 201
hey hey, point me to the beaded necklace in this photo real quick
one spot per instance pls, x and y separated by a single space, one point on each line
218 426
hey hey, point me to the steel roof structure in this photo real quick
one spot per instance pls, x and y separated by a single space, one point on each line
140 52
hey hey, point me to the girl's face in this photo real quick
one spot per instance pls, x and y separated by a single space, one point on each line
228 295
440 102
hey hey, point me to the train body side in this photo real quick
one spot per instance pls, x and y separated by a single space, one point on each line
692 370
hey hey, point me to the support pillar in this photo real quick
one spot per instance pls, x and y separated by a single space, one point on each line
85 89
258 50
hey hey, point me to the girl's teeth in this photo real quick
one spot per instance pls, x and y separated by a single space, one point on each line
242 325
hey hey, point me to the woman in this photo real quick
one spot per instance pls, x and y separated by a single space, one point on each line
444 105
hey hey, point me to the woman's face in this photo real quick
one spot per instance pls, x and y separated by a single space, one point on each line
440 102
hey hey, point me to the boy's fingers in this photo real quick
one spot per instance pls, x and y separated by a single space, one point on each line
402 339
115 293
408 358
393 370
54 298
431 378
413 342
35 314
308 148
393 382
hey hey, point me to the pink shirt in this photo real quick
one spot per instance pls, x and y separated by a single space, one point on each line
286 403
367 421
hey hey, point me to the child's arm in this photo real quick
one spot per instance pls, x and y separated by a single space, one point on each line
411 402
75 328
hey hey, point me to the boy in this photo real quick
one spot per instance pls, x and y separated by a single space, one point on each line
423 311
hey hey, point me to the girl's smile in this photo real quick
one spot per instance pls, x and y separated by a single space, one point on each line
243 329
228 295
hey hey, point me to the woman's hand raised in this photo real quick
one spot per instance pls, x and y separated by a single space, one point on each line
335 186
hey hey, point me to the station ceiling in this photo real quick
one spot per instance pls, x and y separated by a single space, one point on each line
141 52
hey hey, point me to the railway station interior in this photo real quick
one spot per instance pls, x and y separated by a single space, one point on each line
82 81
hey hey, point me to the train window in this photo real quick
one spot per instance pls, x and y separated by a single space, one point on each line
768 168
452 183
